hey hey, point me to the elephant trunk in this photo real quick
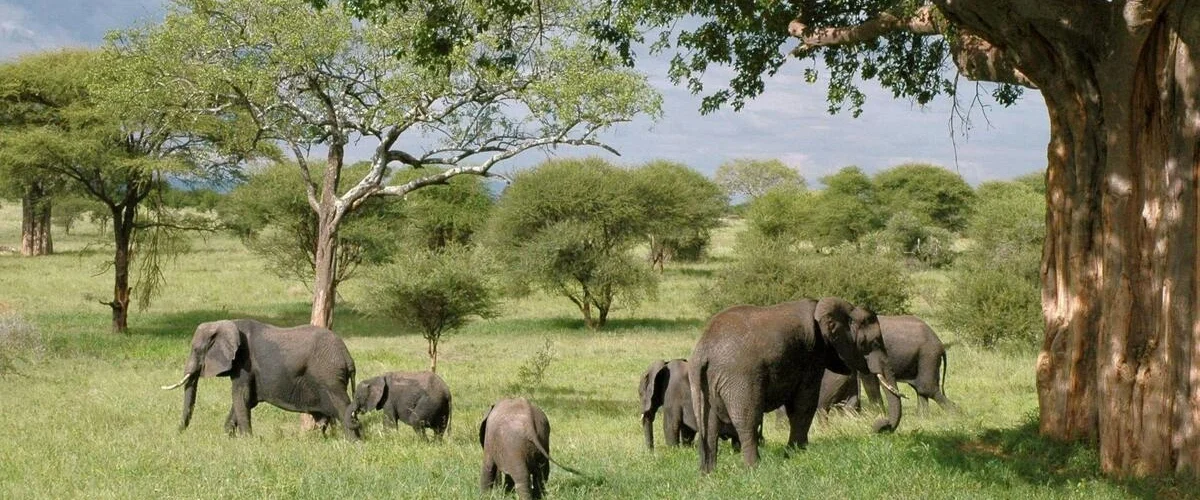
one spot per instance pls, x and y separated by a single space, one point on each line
648 429
189 399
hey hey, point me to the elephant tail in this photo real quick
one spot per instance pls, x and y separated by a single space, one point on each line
543 451
942 384
702 407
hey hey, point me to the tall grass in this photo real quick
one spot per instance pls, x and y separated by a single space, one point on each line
89 420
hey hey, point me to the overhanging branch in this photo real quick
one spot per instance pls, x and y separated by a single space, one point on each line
976 58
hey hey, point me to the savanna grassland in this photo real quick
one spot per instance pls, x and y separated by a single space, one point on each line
86 418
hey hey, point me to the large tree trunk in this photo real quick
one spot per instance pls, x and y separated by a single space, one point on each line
35 222
1120 364
123 225
325 258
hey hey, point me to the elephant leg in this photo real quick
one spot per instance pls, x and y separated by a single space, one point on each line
671 425
230 424
870 385
240 410
522 479
746 421
540 476
487 475
421 432
802 409
337 405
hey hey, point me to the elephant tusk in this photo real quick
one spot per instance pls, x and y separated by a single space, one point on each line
176 386
891 388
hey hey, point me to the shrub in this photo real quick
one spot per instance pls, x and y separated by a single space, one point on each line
905 235
531 373
433 292
20 343
766 272
993 307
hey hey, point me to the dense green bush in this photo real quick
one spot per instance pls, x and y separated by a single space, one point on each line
907 237
680 206
996 300
767 272
934 195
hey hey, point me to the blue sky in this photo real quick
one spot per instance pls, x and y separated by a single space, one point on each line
789 121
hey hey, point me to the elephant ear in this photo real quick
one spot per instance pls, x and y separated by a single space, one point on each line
377 389
222 349
832 315
653 386
483 425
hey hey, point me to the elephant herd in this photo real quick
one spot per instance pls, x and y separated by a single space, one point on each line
800 356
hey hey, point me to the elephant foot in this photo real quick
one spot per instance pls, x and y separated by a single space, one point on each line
883 426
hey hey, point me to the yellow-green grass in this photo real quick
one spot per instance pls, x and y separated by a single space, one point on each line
88 419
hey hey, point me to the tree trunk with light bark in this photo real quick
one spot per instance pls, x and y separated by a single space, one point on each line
35 222
329 216
124 217
1120 364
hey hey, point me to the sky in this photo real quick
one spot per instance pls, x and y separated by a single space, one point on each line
788 121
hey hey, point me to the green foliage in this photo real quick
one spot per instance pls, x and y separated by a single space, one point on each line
752 41
845 211
568 227
200 199
752 178
271 213
906 235
447 214
935 195
997 298
781 214
767 272
681 208
20 343
433 292
66 211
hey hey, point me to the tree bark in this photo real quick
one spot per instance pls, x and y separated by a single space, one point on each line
35 222
1120 365
325 258
123 226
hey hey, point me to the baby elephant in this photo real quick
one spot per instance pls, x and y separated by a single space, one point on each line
515 436
419 399
665 385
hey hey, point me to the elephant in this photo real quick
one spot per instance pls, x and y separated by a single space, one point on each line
917 356
838 390
750 359
302 369
665 385
515 436
419 399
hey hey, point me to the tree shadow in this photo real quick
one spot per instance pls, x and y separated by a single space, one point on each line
576 326
1033 459
567 400
347 322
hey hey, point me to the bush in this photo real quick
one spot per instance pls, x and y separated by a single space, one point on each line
20 343
766 272
906 236
991 307
433 292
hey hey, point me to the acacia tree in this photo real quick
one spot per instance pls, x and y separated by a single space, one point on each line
107 152
317 80
1120 360
752 177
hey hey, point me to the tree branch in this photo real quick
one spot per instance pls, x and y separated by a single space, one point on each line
976 58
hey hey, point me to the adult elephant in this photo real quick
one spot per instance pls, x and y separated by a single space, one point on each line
302 369
917 356
750 359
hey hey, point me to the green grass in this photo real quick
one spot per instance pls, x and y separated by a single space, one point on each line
88 419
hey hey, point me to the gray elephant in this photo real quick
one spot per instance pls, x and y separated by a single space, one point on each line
419 399
303 369
839 391
665 385
515 436
917 356
750 359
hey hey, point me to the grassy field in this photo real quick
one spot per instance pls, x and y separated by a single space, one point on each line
88 420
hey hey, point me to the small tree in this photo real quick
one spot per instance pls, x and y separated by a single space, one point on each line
781 213
681 208
846 210
568 227
752 178
433 292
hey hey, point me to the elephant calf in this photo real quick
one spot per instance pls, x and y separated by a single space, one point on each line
419 399
665 385
515 436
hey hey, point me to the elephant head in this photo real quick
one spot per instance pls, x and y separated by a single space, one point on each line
214 348
370 394
855 335
651 390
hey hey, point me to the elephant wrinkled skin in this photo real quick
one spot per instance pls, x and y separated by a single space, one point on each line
419 399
